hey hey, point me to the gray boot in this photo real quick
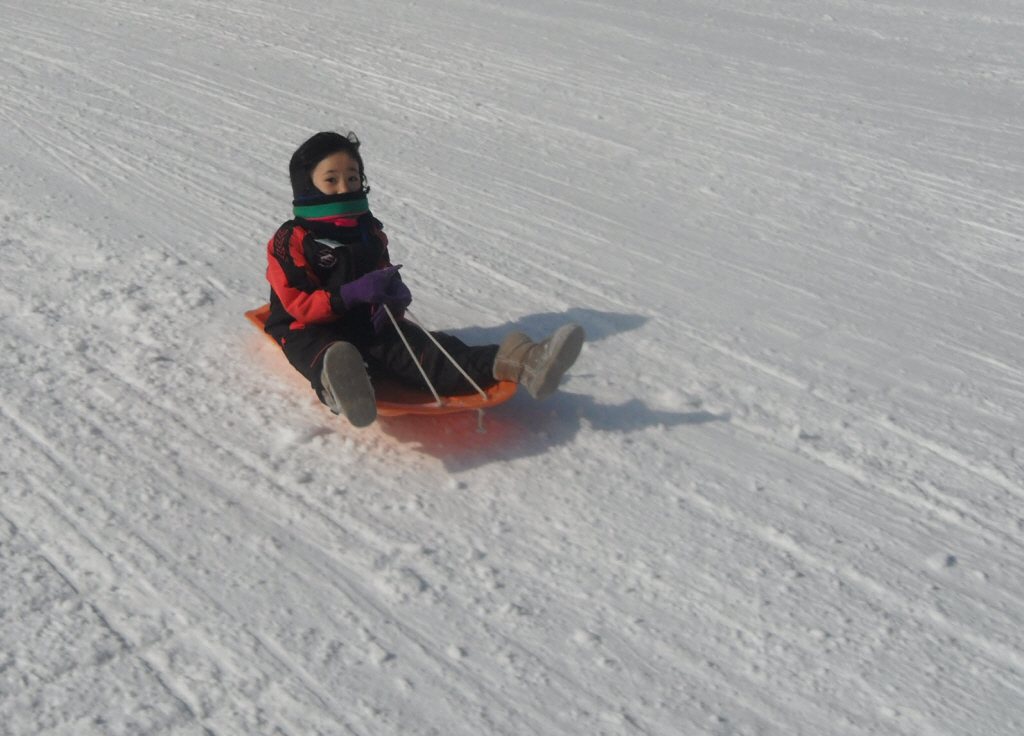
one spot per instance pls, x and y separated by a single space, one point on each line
538 366
347 388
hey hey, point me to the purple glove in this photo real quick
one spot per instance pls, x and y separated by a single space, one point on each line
369 289
397 298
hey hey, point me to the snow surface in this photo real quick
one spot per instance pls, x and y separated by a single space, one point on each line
780 493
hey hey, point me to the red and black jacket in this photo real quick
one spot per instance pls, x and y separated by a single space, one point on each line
309 260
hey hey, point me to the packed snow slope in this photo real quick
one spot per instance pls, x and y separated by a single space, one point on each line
782 491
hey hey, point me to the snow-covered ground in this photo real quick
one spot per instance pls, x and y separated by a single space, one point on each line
782 492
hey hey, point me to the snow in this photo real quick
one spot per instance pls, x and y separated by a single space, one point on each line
780 492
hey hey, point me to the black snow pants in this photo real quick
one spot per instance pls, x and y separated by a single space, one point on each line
386 356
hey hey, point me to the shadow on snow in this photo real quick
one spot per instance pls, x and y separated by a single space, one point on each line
523 427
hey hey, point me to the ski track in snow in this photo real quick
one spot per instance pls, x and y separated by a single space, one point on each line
779 493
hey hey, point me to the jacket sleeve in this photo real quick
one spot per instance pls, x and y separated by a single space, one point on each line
300 291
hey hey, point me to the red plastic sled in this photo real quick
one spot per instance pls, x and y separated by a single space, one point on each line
394 399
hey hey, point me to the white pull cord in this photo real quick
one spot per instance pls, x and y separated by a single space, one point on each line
479 412
415 320
408 347
433 339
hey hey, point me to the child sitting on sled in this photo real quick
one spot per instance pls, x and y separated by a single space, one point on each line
331 278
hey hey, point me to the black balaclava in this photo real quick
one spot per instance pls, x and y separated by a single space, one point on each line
312 152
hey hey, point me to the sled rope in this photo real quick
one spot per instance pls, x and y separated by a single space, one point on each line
437 396
439 347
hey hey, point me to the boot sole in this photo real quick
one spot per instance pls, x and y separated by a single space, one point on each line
347 384
563 349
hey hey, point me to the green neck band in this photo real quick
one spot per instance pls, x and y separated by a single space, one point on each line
315 211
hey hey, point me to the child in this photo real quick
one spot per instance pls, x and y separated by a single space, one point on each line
331 275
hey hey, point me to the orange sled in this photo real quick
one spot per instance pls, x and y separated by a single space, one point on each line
394 399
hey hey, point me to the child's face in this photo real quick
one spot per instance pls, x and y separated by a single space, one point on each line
337 174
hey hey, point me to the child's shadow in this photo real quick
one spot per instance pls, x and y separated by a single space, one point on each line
599 326
523 427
